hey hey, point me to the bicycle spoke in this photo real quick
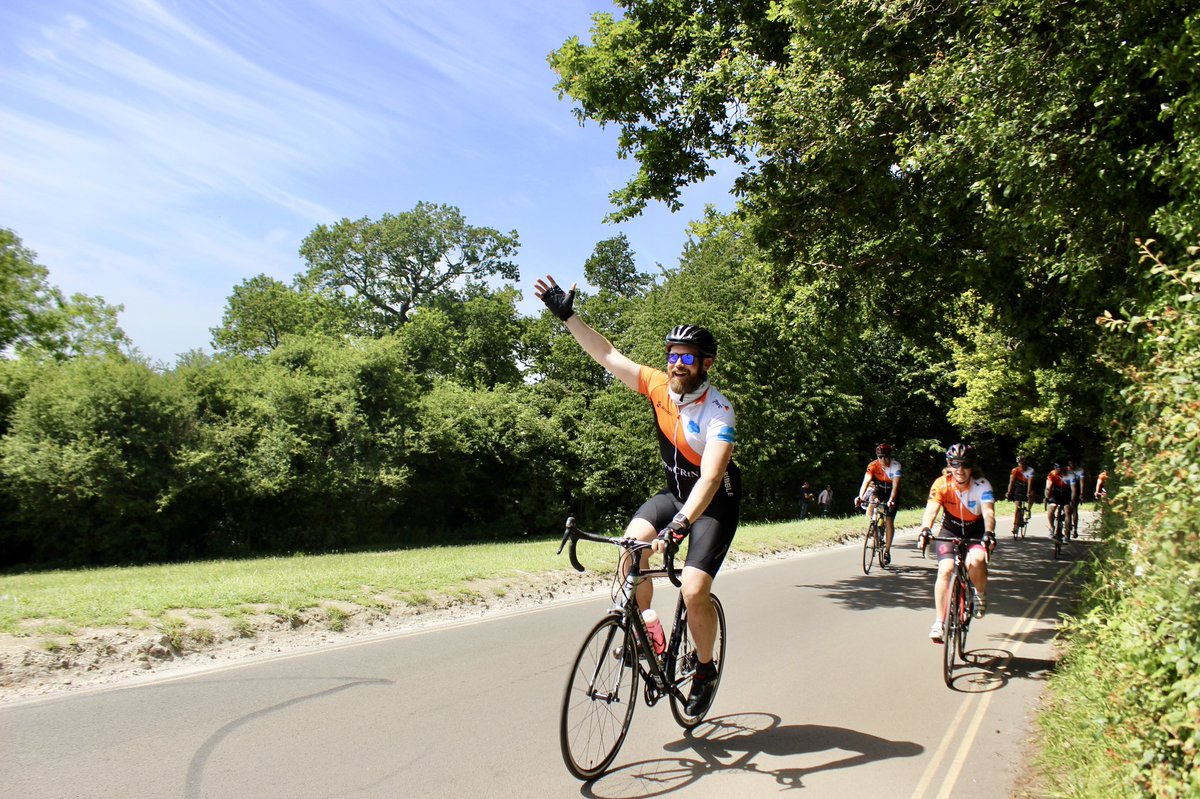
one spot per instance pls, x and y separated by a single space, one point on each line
868 557
599 699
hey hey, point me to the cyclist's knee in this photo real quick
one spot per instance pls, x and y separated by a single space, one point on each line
695 585
640 529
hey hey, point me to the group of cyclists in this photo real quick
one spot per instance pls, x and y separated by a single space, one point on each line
701 500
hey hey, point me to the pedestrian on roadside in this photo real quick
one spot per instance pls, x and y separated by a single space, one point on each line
806 496
825 499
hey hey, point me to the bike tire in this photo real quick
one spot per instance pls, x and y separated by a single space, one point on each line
1058 534
592 728
679 672
950 634
1025 519
881 543
869 547
966 610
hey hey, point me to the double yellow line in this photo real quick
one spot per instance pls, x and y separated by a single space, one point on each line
980 702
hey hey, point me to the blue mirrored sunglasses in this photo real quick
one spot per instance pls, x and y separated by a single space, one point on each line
687 358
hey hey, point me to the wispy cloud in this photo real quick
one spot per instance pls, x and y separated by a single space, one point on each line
160 153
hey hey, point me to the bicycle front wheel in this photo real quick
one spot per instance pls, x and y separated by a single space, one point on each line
881 543
966 610
869 548
950 631
680 672
598 703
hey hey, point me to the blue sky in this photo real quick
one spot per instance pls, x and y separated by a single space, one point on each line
159 153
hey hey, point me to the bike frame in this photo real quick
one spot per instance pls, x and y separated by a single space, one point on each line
657 670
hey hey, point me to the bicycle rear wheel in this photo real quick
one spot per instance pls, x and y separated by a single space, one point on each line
869 548
950 632
598 703
1058 534
680 672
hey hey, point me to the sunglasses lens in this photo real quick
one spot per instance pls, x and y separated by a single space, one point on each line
687 358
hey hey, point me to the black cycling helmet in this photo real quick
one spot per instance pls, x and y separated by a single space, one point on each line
695 336
883 450
961 454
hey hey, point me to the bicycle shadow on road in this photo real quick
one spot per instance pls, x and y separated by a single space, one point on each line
1019 572
748 742
992 669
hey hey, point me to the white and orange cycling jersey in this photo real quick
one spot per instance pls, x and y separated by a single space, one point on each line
1022 481
884 475
963 507
685 430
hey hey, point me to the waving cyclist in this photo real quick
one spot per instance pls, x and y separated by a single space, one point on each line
696 437
883 476
969 511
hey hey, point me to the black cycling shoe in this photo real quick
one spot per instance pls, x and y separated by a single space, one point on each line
701 695
887 558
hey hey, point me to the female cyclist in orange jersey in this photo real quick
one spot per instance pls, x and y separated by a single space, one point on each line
967 500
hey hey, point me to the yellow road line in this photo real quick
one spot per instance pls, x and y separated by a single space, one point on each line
981 702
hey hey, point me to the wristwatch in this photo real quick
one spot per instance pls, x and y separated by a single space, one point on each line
681 519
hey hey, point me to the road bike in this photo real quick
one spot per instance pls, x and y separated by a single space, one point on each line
959 608
875 541
1056 530
617 654
1024 511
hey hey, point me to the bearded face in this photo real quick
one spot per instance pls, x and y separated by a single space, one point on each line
683 378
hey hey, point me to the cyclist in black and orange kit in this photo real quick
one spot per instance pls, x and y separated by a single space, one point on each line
883 477
1060 492
696 437
965 496
1101 492
1020 489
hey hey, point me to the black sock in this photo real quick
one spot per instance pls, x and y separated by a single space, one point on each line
705 670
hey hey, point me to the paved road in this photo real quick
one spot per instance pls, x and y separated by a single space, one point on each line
832 687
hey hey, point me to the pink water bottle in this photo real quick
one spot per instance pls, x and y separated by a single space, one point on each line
658 639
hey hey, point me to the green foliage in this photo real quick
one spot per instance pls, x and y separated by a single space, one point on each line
262 311
907 154
306 446
37 320
1133 667
482 463
88 454
380 272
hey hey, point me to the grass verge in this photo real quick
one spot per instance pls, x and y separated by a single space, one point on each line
125 597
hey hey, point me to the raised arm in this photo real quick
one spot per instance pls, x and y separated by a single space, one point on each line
593 343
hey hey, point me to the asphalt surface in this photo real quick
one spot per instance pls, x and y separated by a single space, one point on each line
831 687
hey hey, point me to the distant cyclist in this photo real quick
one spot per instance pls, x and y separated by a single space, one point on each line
1060 490
1101 485
1020 489
968 508
703 493
883 477
1080 478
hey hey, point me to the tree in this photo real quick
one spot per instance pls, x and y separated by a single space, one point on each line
611 267
910 153
382 271
37 319
262 310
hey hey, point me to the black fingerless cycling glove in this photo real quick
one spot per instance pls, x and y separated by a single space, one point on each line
560 302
